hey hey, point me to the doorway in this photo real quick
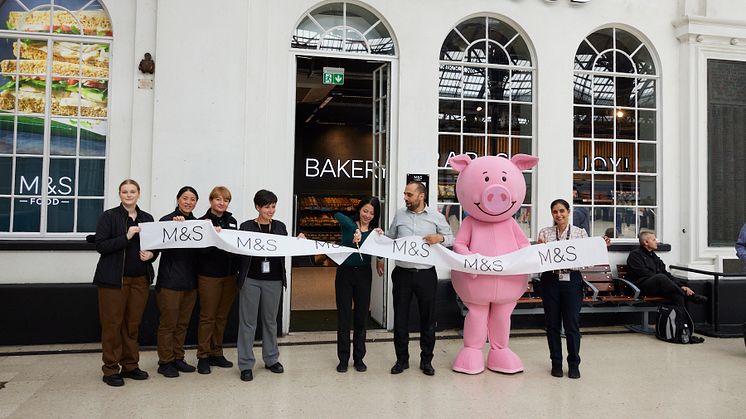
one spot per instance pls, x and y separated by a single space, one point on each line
340 156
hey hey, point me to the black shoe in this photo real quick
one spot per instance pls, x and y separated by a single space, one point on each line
114 380
399 367
203 366
182 366
427 368
275 368
247 375
342 366
220 361
136 374
360 366
168 370
574 372
697 299
696 339
557 371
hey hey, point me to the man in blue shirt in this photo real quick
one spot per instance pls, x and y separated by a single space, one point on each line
741 245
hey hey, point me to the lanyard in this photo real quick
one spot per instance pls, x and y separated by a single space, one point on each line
269 230
557 233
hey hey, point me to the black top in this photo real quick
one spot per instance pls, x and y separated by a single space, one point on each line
133 266
252 266
214 262
642 264
178 267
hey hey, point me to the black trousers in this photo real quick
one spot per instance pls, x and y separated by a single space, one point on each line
352 286
660 285
562 301
423 284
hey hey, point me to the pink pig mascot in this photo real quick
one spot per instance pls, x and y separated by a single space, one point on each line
491 189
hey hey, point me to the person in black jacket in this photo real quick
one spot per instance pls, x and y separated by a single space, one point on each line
176 292
260 282
646 270
123 277
217 286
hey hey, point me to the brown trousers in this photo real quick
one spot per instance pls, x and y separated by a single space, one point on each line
176 310
216 296
120 313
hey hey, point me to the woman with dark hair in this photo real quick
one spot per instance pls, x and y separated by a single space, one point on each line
176 292
260 283
562 294
353 281
123 276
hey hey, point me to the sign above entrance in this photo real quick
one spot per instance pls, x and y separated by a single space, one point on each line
334 75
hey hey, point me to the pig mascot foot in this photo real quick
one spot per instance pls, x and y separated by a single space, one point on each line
504 361
469 361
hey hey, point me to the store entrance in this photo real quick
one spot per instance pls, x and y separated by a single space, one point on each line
335 166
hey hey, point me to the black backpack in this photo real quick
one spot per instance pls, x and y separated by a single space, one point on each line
674 324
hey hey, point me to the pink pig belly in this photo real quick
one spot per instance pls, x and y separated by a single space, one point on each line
486 289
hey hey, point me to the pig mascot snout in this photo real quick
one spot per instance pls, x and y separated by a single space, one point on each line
490 189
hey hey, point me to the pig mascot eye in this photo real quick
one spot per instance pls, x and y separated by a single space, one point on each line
505 179
486 178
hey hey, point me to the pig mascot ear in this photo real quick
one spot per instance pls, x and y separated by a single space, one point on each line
523 161
459 163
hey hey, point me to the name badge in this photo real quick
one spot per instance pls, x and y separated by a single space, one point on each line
564 277
265 267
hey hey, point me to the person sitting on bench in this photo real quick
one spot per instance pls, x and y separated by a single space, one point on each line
648 272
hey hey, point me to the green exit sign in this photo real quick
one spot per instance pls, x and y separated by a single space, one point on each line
334 75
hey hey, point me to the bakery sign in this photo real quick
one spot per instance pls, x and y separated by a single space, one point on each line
338 168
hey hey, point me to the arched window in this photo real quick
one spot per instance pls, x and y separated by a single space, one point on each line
343 27
54 72
615 135
486 104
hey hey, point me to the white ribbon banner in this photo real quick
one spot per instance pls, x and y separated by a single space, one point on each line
563 254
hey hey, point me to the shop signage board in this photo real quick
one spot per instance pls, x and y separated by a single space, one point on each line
424 179
334 75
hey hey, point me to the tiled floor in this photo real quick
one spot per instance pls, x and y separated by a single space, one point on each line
624 376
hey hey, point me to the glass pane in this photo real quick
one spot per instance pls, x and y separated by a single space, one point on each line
91 177
30 135
585 56
496 54
449 84
355 42
626 225
92 137
648 193
31 98
332 40
645 93
64 137
498 116
603 123
474 146
329 15
360 18
453 47
582 122
603 222
474 83
447 185
522 120
521 86
626 160
499 31
474 116
473 29
497 146
449 116
519 53
626 42
498 84
625 87
603 190
7 91
625 124
604 63
306 35
379 40
448 146
88 212
452 213
647 219
520 145
28 176
582 184
647 158
61 177
603 156
644 61
477 52
27 215
523 218
602 39
603 90
646 125
6 133
626 190
582 155
60 215
528 178
624 64
582 89
4 214
6 174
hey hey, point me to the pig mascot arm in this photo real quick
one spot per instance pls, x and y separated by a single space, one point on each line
520 237
463 238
